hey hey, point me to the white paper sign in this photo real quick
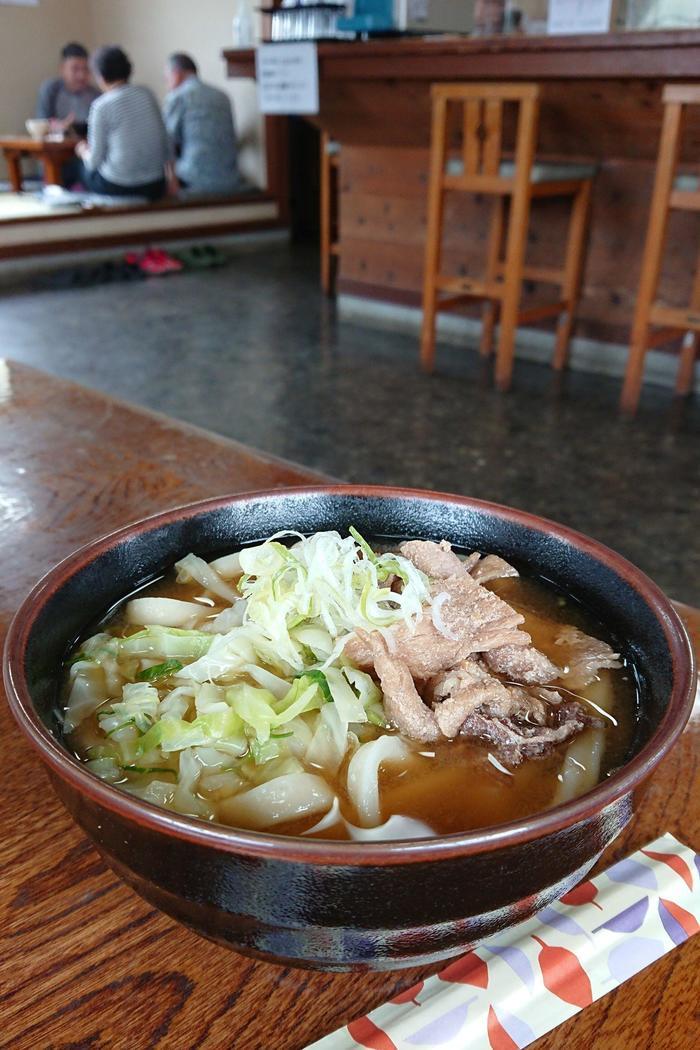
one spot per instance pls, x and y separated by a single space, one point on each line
287 77
579 16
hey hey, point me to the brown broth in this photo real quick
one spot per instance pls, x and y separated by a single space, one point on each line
452 786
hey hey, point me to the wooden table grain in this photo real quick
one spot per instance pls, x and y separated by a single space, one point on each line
87 963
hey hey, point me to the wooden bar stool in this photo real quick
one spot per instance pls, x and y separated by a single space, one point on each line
671 191
481 169
330 246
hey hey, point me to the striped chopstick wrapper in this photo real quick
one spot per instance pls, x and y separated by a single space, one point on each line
517 986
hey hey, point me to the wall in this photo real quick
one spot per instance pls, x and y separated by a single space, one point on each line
150 31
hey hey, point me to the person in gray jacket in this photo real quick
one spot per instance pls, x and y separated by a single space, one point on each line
66 99
200 124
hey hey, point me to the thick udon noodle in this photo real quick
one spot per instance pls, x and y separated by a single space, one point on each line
189 704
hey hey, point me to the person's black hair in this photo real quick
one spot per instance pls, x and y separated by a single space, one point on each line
112 64
73 50
183 62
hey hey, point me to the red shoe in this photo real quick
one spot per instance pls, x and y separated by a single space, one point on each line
157 262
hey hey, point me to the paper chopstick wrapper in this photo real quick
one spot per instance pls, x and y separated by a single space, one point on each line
515 987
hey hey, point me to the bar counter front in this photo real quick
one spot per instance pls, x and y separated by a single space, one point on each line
601 100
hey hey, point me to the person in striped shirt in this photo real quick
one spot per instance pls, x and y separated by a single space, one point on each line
127 152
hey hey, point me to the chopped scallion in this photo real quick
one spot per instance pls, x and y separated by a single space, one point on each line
164 670
319 679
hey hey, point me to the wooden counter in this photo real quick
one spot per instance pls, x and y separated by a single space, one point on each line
602 99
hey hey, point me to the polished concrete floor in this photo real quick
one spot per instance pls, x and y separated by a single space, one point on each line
253 352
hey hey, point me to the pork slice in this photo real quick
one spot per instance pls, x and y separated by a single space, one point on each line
491 567
573 711
583 656
402 705
516 742
522 663
477 616
468 687
519 704
552 696
436 560
463 676
475 620
423 649
461 690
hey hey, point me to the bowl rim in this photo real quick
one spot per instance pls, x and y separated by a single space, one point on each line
326 851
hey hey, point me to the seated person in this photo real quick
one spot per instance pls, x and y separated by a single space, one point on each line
126 152
66 99
199 119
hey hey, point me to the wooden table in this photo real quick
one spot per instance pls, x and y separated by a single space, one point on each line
87 963
53 156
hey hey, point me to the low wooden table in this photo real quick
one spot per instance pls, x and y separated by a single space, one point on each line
53 156
86 962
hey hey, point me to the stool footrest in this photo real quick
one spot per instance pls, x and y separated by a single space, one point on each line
494 184
685 200
470 287
545 274
542 311
562 188
680 318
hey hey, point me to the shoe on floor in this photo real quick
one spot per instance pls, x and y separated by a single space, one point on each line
157 263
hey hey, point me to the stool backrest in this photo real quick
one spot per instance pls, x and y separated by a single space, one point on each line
481 122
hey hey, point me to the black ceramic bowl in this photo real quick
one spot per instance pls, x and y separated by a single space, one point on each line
341 905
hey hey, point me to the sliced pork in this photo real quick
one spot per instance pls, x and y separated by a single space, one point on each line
582 657
436 560
456 693
516 740
402 705
477 616
423 650
465 618
439 562
491 567
467 688
523 664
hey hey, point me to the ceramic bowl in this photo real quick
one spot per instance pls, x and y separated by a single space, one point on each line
38 128
347 905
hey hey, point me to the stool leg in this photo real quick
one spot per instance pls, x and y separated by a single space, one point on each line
326 217
689 346
488 316
512 286
686 364
573 272
651 260
433 243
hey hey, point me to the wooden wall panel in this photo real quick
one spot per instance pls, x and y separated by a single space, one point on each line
606 119
382 224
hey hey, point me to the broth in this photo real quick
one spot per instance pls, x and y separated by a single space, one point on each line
449 786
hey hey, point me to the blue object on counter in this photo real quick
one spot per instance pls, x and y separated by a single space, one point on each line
371 16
